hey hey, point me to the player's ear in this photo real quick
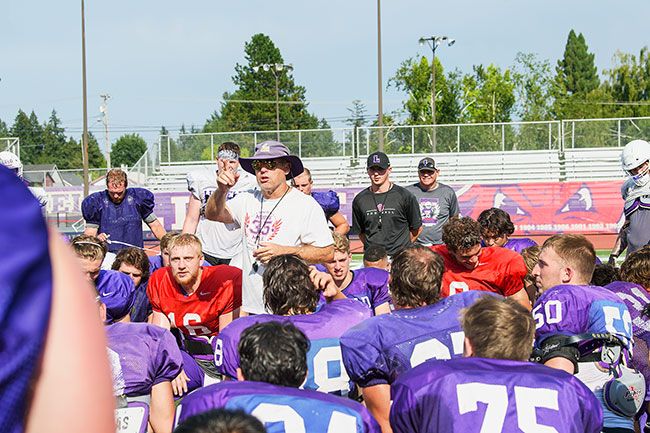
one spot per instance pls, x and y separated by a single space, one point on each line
102 312
240 375
468 350
567 274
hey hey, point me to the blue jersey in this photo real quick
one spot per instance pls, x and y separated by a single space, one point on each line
283 409
472 395
123 221
323 328
25 300
379 349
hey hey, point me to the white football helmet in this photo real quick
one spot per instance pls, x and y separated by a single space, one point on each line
11 161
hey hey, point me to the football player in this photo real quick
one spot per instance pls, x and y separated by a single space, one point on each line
198 301
368 285
496 229
273 364
292 297
469 266
569 306
134 263
444 396
12 162
421 327
328 200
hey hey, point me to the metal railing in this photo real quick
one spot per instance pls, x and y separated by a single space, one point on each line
12 144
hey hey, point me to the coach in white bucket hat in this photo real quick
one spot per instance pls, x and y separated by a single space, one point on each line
276 219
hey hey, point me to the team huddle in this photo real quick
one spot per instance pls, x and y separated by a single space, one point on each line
253 320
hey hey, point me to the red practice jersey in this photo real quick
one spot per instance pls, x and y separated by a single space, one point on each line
499 270
197 314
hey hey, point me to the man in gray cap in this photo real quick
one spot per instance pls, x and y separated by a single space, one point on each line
438 202
276 219
384 213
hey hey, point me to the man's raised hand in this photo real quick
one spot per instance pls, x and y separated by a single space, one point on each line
226 178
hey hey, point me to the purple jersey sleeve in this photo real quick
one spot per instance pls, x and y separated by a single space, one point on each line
519 244
117 292
148 355
91 209
572 309
470 394
155 263
26 280
281 408
144 202
379 349
141 304
327 200
370 286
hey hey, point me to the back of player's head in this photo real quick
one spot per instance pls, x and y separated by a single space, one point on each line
636 268
499 328
495 222
604 274
576 251
287 286
116 176
374 253
415 277
166 239
231 147
185 240
460 234
275 353
89 247
341 243
135 257
221 421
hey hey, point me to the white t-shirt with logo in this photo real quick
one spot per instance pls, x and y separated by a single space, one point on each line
219 240
297 220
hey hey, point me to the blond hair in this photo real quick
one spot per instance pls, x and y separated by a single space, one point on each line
183 240
89 247
575 250
341 243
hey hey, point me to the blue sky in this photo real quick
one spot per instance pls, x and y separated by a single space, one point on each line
168 62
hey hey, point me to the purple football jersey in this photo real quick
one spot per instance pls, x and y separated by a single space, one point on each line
519 244
26 282
323 329
636 298
123 221
148 355
379 349
476 395
283 409
117 291
370 286
141 304
155 263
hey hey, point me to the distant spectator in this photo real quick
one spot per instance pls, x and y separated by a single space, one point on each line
375 256
605 274
328 200
115 215
496 229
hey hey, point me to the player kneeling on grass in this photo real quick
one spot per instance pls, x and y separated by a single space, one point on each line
273 364
292 294
493 388
145 359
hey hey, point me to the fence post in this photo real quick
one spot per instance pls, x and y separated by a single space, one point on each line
300 144
368 143
458 138
550 135
573 135
168 150
619 132
503 137
412 139
211 147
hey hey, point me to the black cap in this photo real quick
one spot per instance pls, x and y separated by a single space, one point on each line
378 159
427 164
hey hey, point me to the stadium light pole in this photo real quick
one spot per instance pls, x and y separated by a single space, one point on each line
84 137
275 68
434 42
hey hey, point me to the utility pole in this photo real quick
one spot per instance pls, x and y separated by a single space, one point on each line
380 102
104 110
84 138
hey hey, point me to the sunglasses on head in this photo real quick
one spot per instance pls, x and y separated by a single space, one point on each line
269 164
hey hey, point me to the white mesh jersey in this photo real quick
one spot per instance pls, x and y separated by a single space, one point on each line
218 239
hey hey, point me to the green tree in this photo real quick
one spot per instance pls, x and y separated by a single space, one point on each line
488 95
30 133
127 150
95 156
629 83
576 71
4 131
55 149
533 87
238 114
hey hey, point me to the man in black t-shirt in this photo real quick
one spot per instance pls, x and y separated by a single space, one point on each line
384 213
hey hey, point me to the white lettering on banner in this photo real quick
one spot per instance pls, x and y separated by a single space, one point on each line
180 209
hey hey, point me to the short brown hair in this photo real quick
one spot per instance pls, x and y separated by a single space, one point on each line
135 257
499 328
576 250
185 239
495 222
288 289
166 240
89 247
460 234
341 243
636 268
230 145
116 176
415 277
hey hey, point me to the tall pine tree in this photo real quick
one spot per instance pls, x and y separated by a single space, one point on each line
576 71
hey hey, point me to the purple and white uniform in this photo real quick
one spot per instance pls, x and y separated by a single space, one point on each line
283 409
26 281
323 329
467 395
329 201
148 355
519 244
370 286
636 298
117 291
570 310
381 348
123 222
